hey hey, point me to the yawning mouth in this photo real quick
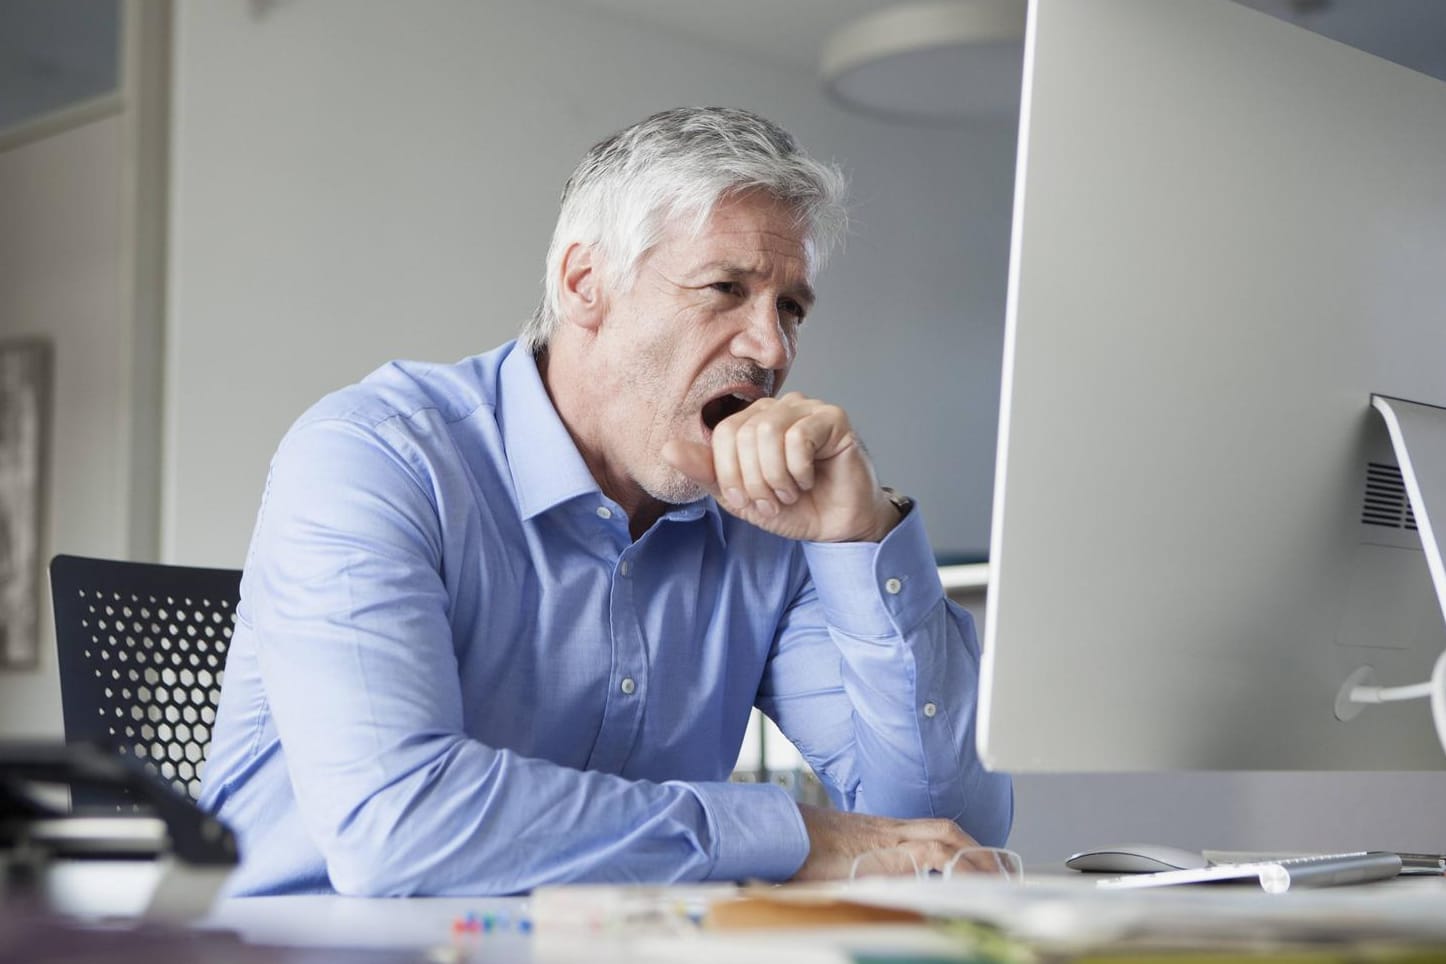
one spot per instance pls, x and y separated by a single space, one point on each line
717 409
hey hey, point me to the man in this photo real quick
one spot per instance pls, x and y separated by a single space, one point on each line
503 621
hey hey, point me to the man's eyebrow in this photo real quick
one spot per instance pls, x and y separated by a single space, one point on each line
801 290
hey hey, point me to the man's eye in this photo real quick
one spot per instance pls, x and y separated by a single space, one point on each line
790 307
727 287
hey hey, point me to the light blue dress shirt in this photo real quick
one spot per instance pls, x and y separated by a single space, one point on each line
454 672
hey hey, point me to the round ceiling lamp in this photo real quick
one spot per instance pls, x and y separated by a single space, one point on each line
933 62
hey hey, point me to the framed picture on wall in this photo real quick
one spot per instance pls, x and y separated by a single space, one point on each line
24 419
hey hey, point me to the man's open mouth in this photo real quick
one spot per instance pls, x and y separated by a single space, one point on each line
717 409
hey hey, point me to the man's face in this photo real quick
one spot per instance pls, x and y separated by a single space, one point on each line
709 325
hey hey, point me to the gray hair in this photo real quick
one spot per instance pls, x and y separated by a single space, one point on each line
681 163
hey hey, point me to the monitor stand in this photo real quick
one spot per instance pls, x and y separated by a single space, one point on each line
1418 435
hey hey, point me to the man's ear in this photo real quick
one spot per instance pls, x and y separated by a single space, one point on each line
581 287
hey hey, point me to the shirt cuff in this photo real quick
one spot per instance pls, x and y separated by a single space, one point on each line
873 589
757 830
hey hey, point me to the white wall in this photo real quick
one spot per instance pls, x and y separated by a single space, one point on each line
81 218
60 271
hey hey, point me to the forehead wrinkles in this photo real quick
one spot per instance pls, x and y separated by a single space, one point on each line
751 221
755 225
755 253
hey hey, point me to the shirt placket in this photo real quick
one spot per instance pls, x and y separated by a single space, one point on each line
627 682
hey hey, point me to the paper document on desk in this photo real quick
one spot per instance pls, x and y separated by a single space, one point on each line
704 923
1070 915
1066 915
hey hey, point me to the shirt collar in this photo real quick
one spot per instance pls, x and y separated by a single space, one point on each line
547 469
704 508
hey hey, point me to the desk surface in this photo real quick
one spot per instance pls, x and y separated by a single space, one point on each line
426 924
422 923
1066 905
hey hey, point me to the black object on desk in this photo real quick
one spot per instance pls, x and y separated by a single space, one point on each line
195 850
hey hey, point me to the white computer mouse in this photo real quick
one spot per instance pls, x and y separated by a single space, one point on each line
1136 859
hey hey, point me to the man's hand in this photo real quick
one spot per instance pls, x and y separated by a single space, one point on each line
836 839
793 466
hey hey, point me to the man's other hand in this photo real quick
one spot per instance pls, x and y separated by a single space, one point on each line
837 839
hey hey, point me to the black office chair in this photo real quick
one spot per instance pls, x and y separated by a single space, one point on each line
142 651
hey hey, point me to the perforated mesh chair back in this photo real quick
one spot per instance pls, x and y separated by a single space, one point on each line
142 652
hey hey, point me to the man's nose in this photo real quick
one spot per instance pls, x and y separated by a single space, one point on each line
767 339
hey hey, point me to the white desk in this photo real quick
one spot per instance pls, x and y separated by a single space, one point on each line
1053 905
422 923
426 924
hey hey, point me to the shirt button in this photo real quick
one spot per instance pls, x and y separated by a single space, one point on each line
930 709
626 568
603 512
893 587
628 686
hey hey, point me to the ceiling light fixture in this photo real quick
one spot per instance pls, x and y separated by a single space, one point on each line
934 62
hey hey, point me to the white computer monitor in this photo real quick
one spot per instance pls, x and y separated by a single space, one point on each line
1228 234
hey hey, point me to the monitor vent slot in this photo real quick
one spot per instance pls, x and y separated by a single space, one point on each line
1386 502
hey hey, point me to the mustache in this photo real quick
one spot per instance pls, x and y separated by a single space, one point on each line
744 373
